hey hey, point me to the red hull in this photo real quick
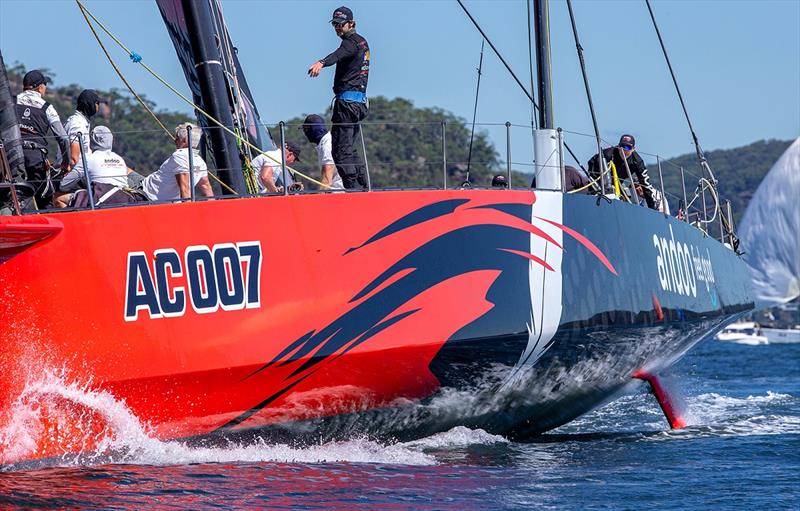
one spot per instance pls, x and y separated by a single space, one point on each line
64 303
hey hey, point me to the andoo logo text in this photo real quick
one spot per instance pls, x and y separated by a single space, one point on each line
225 276
681 266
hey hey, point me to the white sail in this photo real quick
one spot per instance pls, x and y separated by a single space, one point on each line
770 232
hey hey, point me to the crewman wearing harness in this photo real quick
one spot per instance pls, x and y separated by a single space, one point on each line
36 116
350 87
626 159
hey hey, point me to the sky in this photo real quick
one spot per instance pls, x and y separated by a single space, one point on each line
737 62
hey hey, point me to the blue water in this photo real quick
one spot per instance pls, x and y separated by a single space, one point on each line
741 450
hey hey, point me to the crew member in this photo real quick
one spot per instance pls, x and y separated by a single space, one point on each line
625 157
662 204
499 181
105 166
317 133
269 172
78 123
350 87
171 180
575 180
36 116
108 173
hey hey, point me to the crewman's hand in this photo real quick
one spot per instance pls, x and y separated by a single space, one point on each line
315 68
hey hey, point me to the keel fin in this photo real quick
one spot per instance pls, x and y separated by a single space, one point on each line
667 404
18 234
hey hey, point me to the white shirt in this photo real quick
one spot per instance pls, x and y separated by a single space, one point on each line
77 123
162 185
325 157
106 166
271 159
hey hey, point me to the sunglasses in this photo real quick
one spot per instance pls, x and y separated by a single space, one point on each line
627 147
338 24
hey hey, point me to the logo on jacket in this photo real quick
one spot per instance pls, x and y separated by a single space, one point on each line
226 276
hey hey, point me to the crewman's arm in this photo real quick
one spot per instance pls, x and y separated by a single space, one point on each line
347 49
74 152
267 178
328 172
183 184
61 135
205 187
644 179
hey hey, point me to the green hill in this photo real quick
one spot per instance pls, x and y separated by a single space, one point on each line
739 171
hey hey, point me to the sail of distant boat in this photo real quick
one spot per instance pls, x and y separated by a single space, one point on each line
770 232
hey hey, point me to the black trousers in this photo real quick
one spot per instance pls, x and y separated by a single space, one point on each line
344 132
36 170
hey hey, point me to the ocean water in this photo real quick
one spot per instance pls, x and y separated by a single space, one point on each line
741 450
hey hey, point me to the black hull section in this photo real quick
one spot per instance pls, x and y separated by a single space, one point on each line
646 314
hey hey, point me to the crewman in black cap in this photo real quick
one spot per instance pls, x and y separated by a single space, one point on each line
625 157
499 181
79 122
350 87
317 133
36 117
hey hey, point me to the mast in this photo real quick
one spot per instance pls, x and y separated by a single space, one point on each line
213 90
543 70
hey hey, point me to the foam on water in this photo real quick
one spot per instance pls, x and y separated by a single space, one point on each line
126 440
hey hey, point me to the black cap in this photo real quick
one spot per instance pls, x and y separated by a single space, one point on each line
312 120
499 181
33 79
294 148
90 96
341 15
627 140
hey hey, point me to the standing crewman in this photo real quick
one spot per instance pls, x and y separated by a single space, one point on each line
350 87
36 117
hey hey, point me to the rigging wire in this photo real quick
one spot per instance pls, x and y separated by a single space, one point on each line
601 156
700 155
122 77
138 59
712 181
474 114
511 72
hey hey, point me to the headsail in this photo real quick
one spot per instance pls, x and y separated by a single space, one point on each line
770 232
218 86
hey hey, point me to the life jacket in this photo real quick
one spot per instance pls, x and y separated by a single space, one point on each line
31 110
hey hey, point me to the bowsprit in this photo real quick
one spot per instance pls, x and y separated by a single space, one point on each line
225 276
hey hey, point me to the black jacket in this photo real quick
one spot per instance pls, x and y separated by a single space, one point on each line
635 163
352 64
